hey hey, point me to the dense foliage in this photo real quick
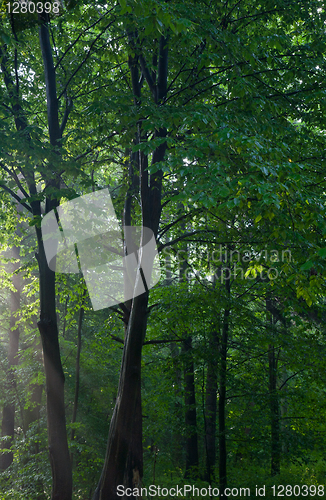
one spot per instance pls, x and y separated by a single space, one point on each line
205 120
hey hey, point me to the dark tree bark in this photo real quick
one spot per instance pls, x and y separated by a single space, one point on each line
77 371
134 465
121 427
177 440
222 397
8 412
122 433
57 434
211 407
275 413
273 314
7 429
191 444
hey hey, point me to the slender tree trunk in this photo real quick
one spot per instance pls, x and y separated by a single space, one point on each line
211 407
177 441
273 394
57 436
8 413
190 412
79 338
222 398
32 413
7 429
56 421
284 406
275 413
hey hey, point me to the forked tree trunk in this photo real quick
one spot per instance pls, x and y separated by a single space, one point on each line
120 454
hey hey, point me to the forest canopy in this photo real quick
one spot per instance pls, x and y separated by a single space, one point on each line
185 139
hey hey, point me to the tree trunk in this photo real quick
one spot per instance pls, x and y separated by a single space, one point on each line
79 338
123 432
275 413
56 421
57 436
122 422
274 405
211 408
32 413
8 413
177 440
134 468
7 429
191 413
134 465
222 398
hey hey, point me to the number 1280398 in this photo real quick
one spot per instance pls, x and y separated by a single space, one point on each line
33 7
296 490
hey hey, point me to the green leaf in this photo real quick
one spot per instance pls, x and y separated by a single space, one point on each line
307 265
322 252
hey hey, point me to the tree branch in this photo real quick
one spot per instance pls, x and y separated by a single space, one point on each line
85 59
16 179
69 106
50 84
16 197
186 235
189 214
147 75
81 34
